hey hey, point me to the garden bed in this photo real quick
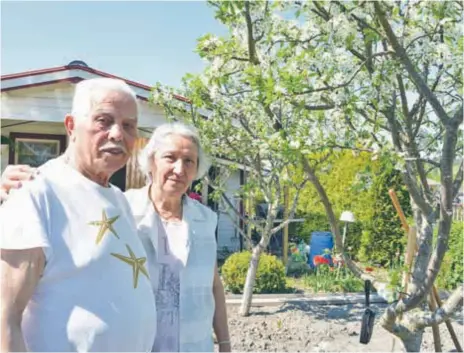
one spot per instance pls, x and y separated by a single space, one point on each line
317 328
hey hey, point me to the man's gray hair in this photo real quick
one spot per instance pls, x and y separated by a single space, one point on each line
92 91
159 136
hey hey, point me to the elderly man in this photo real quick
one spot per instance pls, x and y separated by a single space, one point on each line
74 276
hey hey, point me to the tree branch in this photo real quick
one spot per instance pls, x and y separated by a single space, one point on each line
330 88
426 160
316 107
446 211
417 321
237 226
412 142
453 304
253 56
369 150
404 102
227 94
362 24
292 209
373 122
321 11
404 58
458 117
420 37
458 180
266 13
292 41
390 115
239 58
231 207
408 173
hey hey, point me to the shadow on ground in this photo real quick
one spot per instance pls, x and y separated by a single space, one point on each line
338 313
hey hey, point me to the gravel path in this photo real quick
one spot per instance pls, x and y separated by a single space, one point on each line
318 328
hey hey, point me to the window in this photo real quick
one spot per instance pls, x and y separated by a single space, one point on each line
35 149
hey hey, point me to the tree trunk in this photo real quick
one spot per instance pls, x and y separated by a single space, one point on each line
413 341
250 280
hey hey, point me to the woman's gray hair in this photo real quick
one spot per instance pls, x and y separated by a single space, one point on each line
145 158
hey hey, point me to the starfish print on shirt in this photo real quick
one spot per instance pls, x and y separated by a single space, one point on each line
136 263
105 224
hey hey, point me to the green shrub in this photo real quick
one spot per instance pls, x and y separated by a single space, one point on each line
382 238
270 277
353 238
451 271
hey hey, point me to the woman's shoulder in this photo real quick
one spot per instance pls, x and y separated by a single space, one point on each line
137 199
201 211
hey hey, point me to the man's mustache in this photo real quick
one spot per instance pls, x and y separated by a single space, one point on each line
114 148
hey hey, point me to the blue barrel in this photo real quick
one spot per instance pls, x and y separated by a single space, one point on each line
320 241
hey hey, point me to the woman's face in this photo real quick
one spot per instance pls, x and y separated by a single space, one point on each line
175 165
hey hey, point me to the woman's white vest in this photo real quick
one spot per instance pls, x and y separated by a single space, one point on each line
196 279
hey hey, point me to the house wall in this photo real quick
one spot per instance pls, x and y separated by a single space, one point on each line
53 102
229 236
44 103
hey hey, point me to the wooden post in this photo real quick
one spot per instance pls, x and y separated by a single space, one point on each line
410 252
285 235
447 322
399 210
435 328
434 297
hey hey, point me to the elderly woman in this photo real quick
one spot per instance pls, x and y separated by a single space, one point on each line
178 234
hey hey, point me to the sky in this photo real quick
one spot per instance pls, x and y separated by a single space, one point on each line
143 41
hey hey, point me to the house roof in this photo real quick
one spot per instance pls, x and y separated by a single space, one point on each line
74 72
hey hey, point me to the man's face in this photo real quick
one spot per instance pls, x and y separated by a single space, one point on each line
104 140
175 165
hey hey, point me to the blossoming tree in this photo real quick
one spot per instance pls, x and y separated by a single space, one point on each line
295 79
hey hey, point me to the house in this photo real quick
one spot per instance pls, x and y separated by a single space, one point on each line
34 104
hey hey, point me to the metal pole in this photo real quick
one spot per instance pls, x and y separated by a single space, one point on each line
285 235
344 235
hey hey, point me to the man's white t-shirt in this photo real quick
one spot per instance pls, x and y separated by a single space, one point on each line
95 294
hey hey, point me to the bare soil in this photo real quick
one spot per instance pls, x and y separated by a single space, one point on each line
319 328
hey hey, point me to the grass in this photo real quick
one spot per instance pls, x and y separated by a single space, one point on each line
325 279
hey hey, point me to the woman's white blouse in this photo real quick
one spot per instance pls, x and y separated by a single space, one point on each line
196 302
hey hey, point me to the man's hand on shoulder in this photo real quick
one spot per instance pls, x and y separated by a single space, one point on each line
13 178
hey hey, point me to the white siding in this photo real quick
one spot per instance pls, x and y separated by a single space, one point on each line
32 127
53 102
228 235
150 115
48 104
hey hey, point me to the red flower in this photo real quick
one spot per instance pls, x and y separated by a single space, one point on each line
195 196
369 269
320 260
